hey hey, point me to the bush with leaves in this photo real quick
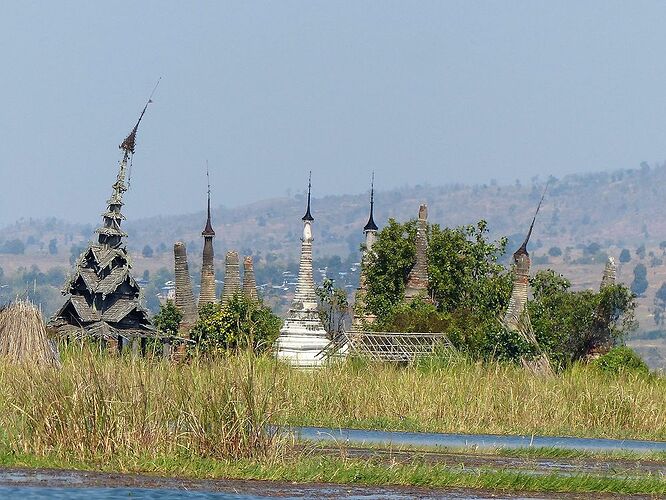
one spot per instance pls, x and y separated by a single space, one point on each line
568 323
333 307
241 323
621 360
168 319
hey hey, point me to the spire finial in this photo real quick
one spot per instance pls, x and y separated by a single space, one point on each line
208 230
371 226
308 216
523 247
129 143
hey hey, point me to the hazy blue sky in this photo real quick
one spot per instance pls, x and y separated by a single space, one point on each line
432 92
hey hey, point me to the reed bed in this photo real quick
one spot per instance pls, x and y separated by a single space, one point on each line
465 397
99 406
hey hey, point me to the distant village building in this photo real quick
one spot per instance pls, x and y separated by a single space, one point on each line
232 281
417 280
249 281
103 296
208 293
302 339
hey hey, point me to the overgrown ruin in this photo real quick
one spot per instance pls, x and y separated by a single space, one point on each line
185 301
232 281
417 280
208 292
249 281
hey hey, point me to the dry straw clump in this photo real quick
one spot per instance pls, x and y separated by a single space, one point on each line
23 336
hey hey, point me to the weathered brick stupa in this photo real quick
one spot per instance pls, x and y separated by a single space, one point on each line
417 280
370 233
610 273
249 281
302 339
232 281
103 296
184 292
208 293
521 281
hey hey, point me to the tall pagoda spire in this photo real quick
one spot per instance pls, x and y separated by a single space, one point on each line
102 294
370 232
308 216
208 294
371 226
302 339
521 281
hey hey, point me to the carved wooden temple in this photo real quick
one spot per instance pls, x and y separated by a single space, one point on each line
103 296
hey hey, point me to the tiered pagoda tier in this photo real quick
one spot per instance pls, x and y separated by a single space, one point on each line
302 339
103 296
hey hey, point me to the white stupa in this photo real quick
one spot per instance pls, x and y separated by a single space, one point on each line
302 339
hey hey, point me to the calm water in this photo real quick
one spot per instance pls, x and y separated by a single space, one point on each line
481 441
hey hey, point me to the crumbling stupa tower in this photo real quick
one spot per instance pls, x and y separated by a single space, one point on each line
103 296
302 339
521 282
184 292
208 294
232 282
417 280
249 281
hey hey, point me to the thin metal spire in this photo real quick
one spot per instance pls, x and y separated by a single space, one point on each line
523 247
308 216
208 230
371 226
129 143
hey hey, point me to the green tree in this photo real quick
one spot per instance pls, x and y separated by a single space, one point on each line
241 323
53 247
555 251
660 305
567 323
333 307
625 256
168 319
640 282
147 251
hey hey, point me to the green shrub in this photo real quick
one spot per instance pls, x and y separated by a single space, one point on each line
621 360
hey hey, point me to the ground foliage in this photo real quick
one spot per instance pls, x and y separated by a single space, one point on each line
240 323
469 293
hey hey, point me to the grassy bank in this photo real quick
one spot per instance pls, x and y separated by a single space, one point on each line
210 419
346 471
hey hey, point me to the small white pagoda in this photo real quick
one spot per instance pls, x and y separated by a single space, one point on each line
302 339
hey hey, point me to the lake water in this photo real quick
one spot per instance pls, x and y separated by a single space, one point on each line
357 437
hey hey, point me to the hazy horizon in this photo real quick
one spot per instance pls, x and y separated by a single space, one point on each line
427 93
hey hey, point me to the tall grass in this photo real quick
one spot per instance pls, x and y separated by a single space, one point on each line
466 397
98 406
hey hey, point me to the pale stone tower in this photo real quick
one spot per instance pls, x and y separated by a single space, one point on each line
302 339
370 233
184 294
232 283
610 272
249 281
208 295
417 280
